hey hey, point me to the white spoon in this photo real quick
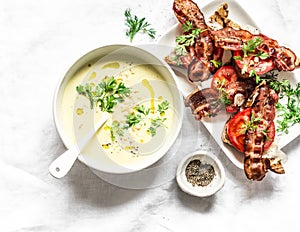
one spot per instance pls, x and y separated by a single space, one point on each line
62 165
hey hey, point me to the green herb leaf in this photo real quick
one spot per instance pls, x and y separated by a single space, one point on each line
132 120
237 58
163 107
251 45
143 110
262 55
254 74
187 39
107 93
152 131
116 128
216 63
252 124
188 26
244 68
156 123
288 113
176 59
223 95
265 133
136 25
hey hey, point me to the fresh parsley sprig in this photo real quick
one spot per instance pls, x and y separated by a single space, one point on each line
156 123
136 25
253 73
107 93
250 49
289 111
251 124
132 120
163 107
142 109
187 39
138 117
188 26
216 63
251 45
223 95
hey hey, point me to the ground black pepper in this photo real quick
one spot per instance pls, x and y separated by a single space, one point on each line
198 173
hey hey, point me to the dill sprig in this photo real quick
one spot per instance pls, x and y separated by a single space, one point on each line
136 25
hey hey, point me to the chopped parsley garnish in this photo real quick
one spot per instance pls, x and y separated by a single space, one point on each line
262 55
252 124
216 63
237 58
132 120
254 74
136 25
251 45
156 123
140 117
142 109
163 107
223 95
107 93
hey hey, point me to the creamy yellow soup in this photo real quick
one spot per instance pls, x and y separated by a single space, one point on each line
148 89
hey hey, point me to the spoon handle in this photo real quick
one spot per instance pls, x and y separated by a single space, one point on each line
62 164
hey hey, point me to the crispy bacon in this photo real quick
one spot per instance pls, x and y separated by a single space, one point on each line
204 102
204 50
187 10
198 70
262 103
230 39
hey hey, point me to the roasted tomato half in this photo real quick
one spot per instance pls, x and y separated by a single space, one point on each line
260 66
236 130
223 79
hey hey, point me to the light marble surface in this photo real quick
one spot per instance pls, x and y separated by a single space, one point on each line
39 41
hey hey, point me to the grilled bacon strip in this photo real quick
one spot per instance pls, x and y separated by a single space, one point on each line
187 10
204 50
262 103
231 39
204 102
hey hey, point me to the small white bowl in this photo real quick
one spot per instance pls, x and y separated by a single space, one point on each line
201 191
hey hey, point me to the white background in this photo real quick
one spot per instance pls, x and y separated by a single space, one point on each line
38 43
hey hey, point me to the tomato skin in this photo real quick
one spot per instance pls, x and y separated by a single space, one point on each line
231 109
261 67
236 131
271 136
222 78
224 75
